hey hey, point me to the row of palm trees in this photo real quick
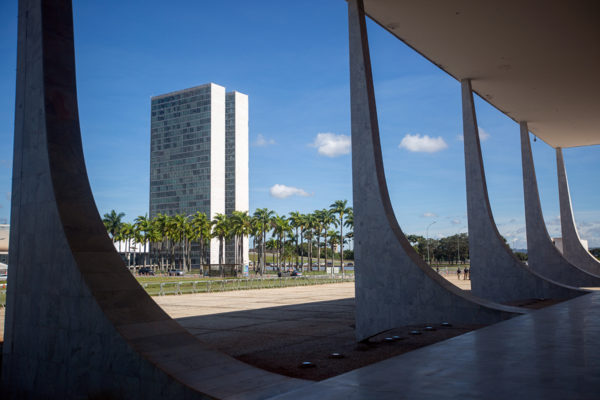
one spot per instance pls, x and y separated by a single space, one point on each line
289 237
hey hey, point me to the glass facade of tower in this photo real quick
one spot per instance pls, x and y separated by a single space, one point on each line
230 152
230 168
180 156
180 153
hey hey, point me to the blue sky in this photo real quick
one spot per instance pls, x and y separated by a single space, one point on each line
291 58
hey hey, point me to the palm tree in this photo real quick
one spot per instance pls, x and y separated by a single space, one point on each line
255 232
340 207
289 247
155 238
245 232
280 228
310 225
118 237
326 219
220 230
349 223
333 241
240 227
112 222
296 222
171 237
271 245
143 229
263 216
317 228
181 231
302 221
160 224
200 227
127 234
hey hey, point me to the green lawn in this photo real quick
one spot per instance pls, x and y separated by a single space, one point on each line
164 278
160 286
168 285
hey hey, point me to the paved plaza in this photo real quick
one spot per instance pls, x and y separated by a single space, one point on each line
197 305
278 329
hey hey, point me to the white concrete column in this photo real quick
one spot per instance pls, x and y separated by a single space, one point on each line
496 273
394 286
544 257
572 248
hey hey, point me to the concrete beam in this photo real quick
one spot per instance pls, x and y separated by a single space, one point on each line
496 273
394 286
78 324
572 248
544 257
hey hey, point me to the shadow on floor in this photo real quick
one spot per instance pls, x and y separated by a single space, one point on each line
280 339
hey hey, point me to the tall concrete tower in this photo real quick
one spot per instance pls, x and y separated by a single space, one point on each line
191 164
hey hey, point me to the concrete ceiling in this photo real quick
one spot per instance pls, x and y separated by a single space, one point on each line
536 61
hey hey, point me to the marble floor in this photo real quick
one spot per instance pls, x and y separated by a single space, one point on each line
552 353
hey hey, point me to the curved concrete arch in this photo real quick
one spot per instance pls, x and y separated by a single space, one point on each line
78 325
496 273
543 256
572 248
394 286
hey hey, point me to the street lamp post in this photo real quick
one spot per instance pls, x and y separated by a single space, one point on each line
427 234
458 245
458 248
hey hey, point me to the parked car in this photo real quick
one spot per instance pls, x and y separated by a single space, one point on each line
145 271
289 272
176 272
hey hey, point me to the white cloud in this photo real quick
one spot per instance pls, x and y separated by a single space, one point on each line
429 215
590 231
283 191
426 144
262 141
332 145
483 135
455 222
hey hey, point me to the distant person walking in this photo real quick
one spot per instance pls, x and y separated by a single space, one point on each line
467 276
458 271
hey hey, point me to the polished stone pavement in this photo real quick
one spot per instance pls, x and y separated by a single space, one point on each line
553 353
